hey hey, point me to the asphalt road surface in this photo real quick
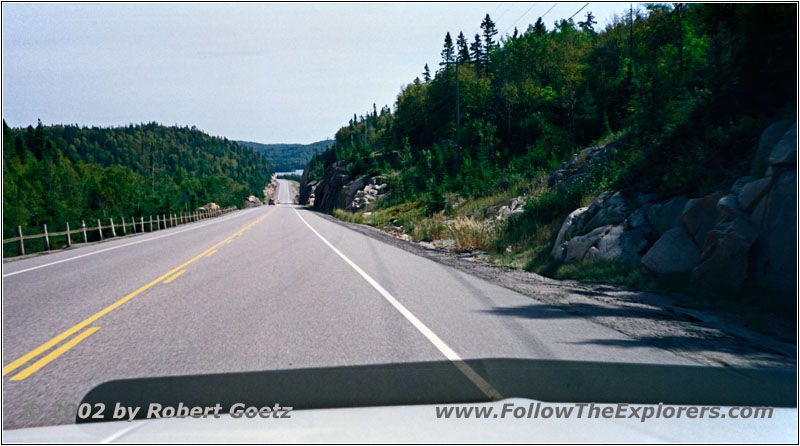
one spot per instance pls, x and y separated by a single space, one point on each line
267 288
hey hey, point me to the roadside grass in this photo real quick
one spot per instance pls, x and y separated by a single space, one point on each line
402 214
474 207
350 217
468 234
429 229
629 275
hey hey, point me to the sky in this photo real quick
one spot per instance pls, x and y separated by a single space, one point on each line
270 73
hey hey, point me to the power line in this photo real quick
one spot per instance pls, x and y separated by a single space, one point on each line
502 13
520 17
576 12
551 8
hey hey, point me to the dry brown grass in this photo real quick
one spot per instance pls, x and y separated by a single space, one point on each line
468 234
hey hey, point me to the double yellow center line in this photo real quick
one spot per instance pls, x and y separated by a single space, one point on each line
171 274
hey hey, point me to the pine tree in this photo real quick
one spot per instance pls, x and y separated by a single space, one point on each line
476 50
463 49
426 75
587 25
448 52
489 31
538 28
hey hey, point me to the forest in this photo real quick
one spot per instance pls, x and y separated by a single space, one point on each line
288 157
687 88
66 173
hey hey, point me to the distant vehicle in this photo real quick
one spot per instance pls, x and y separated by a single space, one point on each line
271 202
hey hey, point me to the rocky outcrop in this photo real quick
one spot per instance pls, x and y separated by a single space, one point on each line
673 252
329 192
252 201
664 216
269 189
307 186
211 208
726 239
363 191
336 190
515 206
574 170
613 228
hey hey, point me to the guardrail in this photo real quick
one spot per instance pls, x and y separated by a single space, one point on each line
162 221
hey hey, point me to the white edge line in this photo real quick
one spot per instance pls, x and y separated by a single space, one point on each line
437 342
118 246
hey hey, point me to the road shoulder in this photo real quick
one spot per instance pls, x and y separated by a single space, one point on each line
657 319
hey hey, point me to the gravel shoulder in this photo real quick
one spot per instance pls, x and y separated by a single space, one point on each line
704 336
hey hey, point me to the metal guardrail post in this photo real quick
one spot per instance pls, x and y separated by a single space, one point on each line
113 231
124 232
21 241
100 229
69 237
46 237
83 228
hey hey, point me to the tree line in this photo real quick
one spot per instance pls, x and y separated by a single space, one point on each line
288 157
65 173
687 87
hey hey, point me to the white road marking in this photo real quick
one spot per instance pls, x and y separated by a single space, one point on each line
437 342
122 246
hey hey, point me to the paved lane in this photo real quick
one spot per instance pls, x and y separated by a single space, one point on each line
260 290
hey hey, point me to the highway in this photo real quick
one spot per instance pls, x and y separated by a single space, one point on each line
266 288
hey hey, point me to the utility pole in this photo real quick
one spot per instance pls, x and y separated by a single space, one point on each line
458 111
631 28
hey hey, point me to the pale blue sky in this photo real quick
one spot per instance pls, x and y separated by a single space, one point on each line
270 73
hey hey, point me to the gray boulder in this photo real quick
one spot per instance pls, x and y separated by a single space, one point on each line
607 209
784 154
751 192
674 252
775 252
503 212
362 192
332 191
516 204
578 246
766 143
574 170
621 245
728 208
663 217
700 216
567 231
740 183
638 220
305 187
724 263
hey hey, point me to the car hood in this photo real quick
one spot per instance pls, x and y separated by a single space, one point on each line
418 424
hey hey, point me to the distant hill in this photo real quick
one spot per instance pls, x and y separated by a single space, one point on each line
288 157
66 173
